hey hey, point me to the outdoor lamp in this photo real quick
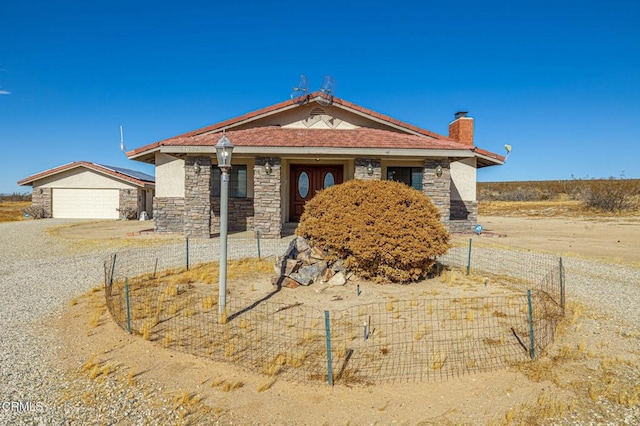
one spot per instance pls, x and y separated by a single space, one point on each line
438 170
267 168
369 169
224 148
196 167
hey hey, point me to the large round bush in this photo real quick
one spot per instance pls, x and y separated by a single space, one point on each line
382 230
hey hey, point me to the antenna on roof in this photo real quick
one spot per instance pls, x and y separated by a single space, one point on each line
301 91
122 141
327 90
508 148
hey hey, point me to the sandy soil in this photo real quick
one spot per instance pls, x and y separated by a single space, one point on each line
611 239
558 385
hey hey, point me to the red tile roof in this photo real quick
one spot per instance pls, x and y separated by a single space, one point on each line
137 178
415 137
318 138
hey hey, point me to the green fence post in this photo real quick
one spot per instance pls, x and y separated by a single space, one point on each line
126 287
532 341
258 237
561 284
469 257
187 253
329 360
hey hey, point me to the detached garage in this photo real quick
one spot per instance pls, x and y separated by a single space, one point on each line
85 190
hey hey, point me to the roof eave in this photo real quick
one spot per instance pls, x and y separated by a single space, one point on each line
313 151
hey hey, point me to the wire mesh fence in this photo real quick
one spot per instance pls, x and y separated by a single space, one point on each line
422 339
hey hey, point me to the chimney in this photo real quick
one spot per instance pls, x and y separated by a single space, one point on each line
461 129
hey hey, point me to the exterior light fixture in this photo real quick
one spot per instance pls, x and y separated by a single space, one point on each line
267 168
224 149
196 167
370 169
439 170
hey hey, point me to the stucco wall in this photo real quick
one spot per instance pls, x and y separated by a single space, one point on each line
81 178
169 176
463 179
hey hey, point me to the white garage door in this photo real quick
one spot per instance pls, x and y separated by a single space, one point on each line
75 203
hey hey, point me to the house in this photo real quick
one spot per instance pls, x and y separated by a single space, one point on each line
283 154
85 190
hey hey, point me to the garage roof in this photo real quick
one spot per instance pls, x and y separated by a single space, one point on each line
132 176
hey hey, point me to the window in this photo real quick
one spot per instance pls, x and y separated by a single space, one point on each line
412 176
237 181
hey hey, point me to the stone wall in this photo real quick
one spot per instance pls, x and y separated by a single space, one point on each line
361 172
240 215
197 197
168 214
128 200
438 188
464 216
41 197
267 200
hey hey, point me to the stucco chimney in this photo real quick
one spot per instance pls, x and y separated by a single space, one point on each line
461 128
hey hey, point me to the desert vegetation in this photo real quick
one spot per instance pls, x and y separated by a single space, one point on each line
381 230
587 195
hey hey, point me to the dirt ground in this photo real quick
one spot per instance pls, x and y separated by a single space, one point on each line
609 238
588 363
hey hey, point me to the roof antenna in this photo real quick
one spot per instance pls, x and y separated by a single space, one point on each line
122 141
508 148
301 91
327 90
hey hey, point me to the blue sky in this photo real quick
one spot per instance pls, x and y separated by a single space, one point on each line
558 80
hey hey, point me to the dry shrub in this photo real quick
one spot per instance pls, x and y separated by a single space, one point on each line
610 195
382 230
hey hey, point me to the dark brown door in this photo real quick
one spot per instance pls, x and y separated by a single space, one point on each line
306 180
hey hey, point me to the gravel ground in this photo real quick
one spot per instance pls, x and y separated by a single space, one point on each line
37 278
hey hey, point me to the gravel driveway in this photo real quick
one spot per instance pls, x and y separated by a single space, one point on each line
37 278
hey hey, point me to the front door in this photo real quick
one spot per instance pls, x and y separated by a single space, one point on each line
306 180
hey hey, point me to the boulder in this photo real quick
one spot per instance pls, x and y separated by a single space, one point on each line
303 265
309 274
338 279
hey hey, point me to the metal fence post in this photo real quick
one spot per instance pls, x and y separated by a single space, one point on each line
258 237
187 253
532 341
126 288
469 257
329 360
561 284
113 268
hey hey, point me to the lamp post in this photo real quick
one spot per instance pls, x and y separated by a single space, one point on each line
224 149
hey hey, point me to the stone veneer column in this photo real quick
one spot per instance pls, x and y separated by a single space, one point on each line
266 197
361 169
464 215
128 199
168 214
438 188
197 197
41 197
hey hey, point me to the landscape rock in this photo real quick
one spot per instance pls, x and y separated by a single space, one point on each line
305 265
309 274
338 279
301 244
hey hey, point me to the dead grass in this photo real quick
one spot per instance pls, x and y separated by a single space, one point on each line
560 207
88 235
10 210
